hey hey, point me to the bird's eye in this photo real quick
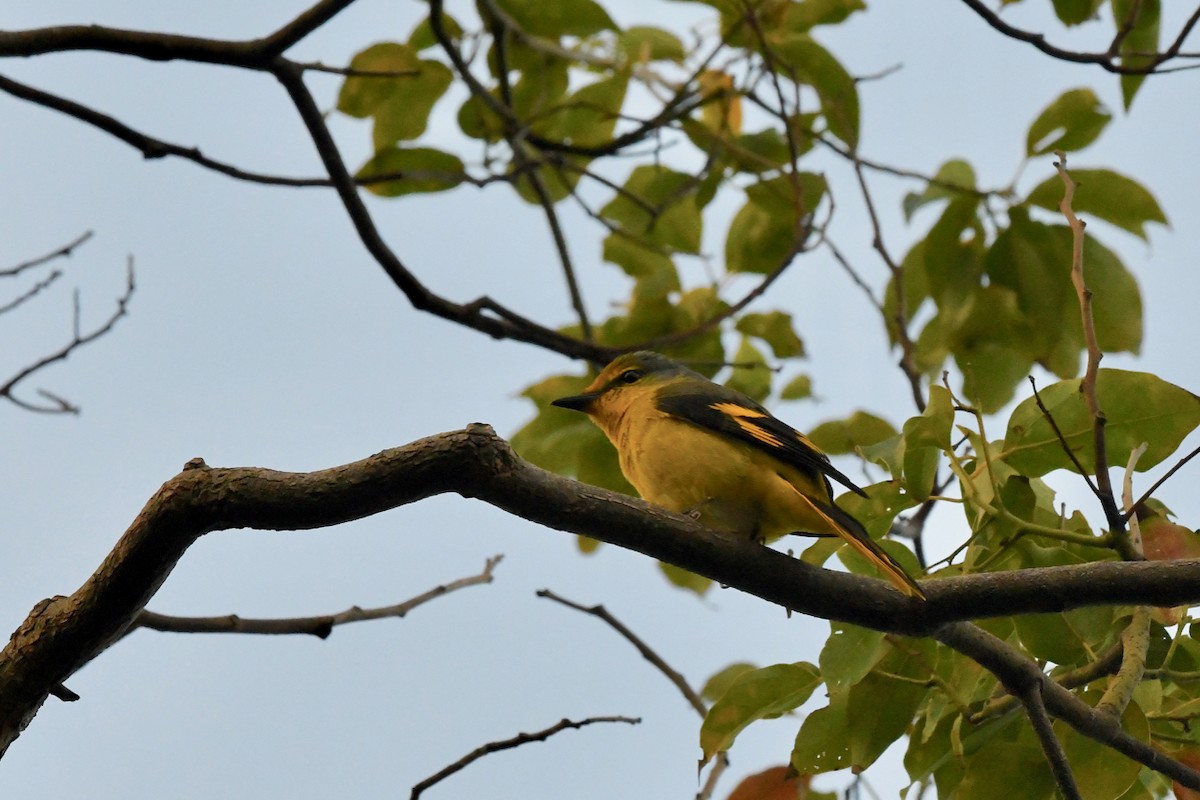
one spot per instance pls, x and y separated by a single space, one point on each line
630 376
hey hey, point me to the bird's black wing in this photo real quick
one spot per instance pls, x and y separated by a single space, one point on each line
732 414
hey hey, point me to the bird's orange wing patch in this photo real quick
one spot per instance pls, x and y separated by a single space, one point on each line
743 417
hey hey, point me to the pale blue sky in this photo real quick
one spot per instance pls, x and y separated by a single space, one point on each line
262 334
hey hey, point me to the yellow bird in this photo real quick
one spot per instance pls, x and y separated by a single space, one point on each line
695 447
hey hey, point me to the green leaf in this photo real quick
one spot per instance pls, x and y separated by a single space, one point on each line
760 694
361 95
422 37
799 17
849 654
1141 38
657 203
1108 195
925 437
642 43
953 173
823 743
766 232
758 152
542 86
1074 12
776 329
883 703
478 121
717 685
993 772
754 379
1072 122
404 114
1100 771
636 259
860 429
990 348
1034 260
588 116
555 18
1139 407
809 63
798 388
878 511
421 169
683 579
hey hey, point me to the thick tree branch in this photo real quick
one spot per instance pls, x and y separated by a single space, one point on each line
62 634
255 54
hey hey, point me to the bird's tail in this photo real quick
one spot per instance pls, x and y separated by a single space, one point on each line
857 537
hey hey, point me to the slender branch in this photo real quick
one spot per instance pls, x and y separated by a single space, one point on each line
1154 487
1017 673
1087 386
508 744
32 292
505 327
1135 644
78 339
1062 440
721 763
1106 664
62 252
899 321
1035 708
1106 60
602 613
319 626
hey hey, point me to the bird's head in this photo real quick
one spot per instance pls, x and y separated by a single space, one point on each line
626 380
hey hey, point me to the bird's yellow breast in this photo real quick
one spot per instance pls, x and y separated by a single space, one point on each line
726 484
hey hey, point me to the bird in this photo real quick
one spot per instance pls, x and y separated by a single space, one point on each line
699 448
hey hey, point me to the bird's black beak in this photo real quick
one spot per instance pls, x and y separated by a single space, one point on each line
579 402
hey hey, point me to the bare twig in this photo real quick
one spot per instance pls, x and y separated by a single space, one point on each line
32 292
600 612
899 321
1088 385
1037 398
1154 487
508 744
319 626
78 339
721 762
62 252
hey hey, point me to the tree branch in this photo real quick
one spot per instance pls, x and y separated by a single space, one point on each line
78 339
508 744
62 634
62 252
320 626
1106 60
1035 708
502 326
